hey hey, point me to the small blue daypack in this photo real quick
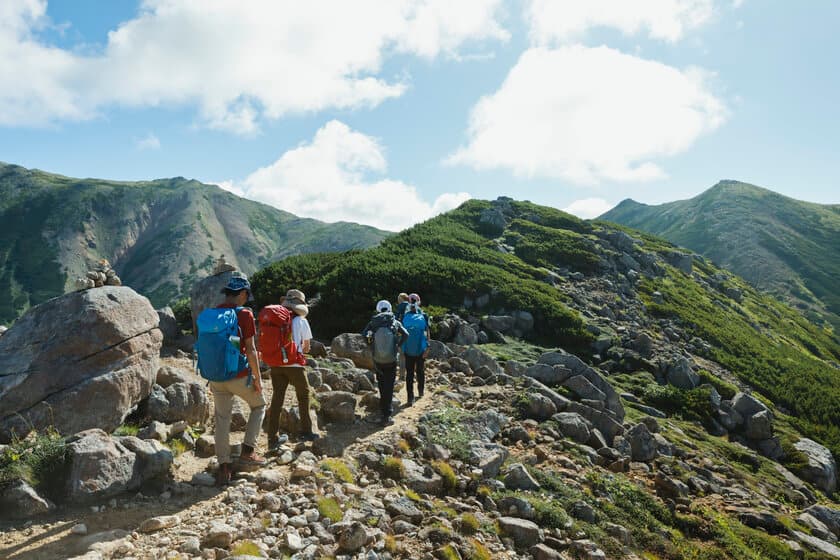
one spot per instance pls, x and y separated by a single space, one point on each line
219 358
416 325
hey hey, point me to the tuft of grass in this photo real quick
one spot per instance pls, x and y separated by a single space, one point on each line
447 473
412 495
127 430
247 548
392 467
177 447
391 544
35 459
478 551
469 524
484 491
339 469
403 445
329 508
448 552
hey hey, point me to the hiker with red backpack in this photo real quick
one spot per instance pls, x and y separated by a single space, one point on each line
384 334
285 337
415 347
227 358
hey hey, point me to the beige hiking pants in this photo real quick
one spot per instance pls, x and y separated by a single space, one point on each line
223 392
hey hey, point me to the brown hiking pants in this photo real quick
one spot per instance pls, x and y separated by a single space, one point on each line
281 377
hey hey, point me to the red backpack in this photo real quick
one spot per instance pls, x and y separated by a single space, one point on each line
276 345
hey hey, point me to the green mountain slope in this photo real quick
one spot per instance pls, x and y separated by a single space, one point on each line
575 278
785 246
159 235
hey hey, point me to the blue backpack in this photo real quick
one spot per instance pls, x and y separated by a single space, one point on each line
217 347
416 325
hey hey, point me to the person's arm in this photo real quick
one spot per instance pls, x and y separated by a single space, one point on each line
254 363
306 335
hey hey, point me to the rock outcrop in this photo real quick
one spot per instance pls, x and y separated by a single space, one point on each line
82 360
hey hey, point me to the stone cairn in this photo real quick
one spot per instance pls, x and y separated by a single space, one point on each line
222 266
101 275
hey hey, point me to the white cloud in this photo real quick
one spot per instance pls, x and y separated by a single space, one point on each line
587 208
148 142
562 21
330 179
589 114
239 64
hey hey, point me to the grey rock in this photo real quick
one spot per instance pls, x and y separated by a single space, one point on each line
681 261
605 423
338 406
548 374
477 358
155 524
488 457
830 517
168 375
421 480
439 351
668 487
514 506
573 425
465 335
524 321
642 443
500 323
168 326
405 508
822 469
544 552
816 544
680 374
523 532
352 538
539 407
583 511
817 527
747 405
186 401
581 386
517 477
355 347
81 360
219 535
18 500
759 426
155 430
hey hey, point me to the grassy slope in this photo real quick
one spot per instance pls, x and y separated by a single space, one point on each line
762 341
159 235
777 243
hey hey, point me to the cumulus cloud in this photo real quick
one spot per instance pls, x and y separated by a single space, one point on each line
337 177
148 142
587 208
589 114
239 64
561 21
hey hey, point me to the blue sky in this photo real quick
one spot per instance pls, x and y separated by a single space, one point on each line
391 111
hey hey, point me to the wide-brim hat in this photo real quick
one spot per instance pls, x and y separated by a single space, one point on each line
296 301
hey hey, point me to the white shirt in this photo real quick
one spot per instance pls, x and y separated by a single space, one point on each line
300 331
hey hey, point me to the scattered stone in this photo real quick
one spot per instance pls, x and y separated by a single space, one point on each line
158 523
517 477
524 533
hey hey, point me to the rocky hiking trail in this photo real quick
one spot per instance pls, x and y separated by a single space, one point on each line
642 446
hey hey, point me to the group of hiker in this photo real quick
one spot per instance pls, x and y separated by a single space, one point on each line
230 347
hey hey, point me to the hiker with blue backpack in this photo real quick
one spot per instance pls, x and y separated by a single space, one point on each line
384 334
227 358
399 313
415 347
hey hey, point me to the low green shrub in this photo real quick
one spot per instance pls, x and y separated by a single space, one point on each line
35 459
329 508
393 468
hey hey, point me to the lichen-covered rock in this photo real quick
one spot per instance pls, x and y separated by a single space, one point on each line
822 469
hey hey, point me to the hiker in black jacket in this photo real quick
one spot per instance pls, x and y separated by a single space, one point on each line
385 334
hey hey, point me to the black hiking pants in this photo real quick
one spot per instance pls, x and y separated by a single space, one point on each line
415 364
386 375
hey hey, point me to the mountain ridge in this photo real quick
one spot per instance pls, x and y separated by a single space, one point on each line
159 235
783 245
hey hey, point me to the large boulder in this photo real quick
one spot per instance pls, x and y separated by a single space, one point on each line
500 323
180 401
642 443
822 469
573 425
207 292
478 358
18 500
355 347
747 405
99 466
577 367
82 360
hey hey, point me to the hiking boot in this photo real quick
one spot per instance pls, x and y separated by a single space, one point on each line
223 474
308 436
274 443
410 401
252 461
386 421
